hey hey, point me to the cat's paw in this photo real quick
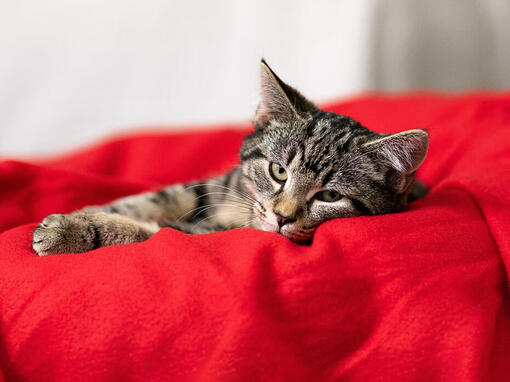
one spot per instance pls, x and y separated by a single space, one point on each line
59 233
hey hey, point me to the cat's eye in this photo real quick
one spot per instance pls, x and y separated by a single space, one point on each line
278 172
328 196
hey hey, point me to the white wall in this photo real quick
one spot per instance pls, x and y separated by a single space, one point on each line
72 71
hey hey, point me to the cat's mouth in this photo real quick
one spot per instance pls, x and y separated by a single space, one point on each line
288 231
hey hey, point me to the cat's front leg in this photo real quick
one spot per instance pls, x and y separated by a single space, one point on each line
81 231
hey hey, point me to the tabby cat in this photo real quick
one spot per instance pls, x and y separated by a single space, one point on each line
300 167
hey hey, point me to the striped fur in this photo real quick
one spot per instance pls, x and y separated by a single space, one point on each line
362 173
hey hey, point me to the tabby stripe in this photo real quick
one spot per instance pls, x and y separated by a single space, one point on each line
292 154
226 183
202 201
313 167
238 179
360 206
255 154
323 154
345 145
160 196
310 128
303 151
228 177
96 238
163 195
327 177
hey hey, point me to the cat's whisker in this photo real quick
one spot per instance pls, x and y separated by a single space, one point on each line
246 225
220 214
203 208
240 199
214 205
231 189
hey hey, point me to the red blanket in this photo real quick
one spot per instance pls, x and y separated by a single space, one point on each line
415 296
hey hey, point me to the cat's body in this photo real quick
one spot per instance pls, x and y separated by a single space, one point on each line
300 167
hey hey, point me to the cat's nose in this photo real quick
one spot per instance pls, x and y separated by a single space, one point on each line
282 219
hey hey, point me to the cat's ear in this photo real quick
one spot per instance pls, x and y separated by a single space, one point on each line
279 101
404 151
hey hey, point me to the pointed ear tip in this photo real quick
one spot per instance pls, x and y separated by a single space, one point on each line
264 67
425 137
421 133
424 132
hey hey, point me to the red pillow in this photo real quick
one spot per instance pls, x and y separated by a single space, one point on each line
419 295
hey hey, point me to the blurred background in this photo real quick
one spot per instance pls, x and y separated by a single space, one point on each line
74 71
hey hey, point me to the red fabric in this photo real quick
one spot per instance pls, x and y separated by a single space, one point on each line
415 296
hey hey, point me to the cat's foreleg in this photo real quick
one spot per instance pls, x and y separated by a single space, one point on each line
126 220
135 218
81 232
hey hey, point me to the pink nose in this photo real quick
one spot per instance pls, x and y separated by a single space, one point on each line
282 219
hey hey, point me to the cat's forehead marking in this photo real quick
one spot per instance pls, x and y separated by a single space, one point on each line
320 149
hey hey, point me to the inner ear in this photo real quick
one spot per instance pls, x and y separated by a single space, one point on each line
404 151
279 101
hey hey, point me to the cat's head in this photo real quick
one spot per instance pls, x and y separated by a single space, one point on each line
304 166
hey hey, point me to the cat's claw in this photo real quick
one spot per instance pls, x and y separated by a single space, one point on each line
59 233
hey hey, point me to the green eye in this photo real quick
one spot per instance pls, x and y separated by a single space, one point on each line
328 196
278 172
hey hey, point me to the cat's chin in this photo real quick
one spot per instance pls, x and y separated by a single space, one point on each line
297 238
286 231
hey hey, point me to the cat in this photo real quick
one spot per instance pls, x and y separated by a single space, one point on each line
299 168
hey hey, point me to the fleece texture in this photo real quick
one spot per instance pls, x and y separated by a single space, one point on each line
420 295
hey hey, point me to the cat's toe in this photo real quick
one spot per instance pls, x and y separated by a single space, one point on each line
57 233
49 235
